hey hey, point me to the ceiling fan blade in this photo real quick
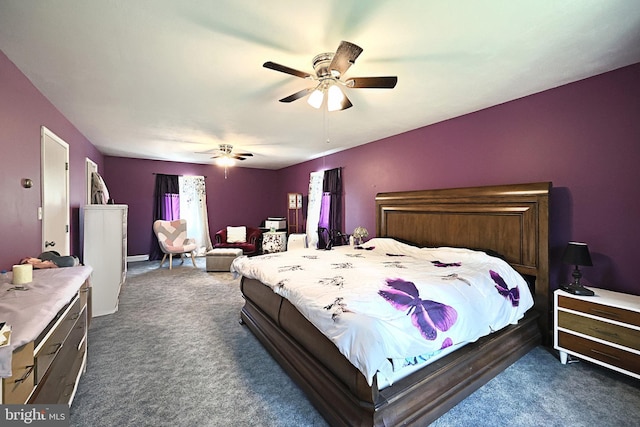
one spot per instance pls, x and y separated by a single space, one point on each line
345 56
297 95
238 157
285 69
372 82
244 154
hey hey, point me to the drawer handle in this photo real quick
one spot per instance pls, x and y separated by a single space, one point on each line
604 312
84 290
75 316
602 353
57 346
26 374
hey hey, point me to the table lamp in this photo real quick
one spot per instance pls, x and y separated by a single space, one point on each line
359 234
577 254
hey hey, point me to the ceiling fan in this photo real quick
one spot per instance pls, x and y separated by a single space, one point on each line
329 71
226 158
225 151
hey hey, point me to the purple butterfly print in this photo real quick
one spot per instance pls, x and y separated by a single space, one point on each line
511 294
446 264
426 315
448 342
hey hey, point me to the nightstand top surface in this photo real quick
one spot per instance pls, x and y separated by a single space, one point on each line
607 297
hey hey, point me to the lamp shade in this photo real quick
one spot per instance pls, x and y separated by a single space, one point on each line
335 98
225 161
360 232
316 98
577 254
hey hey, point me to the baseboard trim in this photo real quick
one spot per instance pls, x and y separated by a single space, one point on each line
136 258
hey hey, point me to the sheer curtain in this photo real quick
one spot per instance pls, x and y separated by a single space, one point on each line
313 207
193 208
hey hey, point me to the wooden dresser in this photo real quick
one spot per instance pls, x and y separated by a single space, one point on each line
48 367
603 329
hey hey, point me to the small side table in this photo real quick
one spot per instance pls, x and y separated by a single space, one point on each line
274 241
603 329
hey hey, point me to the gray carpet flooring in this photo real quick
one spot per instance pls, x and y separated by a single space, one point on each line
175 355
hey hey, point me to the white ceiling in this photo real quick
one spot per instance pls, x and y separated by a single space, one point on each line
164 79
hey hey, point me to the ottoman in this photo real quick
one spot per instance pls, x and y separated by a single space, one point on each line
220 259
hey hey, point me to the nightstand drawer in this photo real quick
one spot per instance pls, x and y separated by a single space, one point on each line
603 330
605 311
610 355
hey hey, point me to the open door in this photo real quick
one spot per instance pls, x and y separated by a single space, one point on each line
90 167
55 193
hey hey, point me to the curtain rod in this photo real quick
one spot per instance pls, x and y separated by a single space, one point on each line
155 173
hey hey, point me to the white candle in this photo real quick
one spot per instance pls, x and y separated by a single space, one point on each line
22 274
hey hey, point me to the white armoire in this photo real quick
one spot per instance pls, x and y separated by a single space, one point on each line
105 250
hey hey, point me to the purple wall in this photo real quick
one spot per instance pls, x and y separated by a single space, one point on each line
584 137
246 197
23 110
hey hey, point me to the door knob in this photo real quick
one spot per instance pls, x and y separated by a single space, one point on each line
47 244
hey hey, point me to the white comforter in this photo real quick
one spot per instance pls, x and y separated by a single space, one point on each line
390 301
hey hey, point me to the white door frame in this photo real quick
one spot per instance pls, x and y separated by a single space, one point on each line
64 247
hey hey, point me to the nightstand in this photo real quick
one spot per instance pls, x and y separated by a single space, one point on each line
274 241
603 329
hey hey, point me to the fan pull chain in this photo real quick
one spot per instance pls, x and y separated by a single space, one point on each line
325 120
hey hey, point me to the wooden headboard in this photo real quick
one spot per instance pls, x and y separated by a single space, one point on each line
512 220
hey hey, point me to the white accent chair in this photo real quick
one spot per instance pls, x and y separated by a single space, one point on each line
173 240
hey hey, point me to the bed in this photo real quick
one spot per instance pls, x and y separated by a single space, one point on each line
510 220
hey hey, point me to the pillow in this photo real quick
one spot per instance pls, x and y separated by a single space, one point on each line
237 234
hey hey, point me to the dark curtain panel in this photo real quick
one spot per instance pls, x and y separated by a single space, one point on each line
332 189
165 184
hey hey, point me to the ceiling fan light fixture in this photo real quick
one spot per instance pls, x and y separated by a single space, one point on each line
335 98
225 161
316 98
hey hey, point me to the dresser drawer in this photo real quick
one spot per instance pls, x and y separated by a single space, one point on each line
63 372
601 352
17 388
626 337
52 345
84 293
605 311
